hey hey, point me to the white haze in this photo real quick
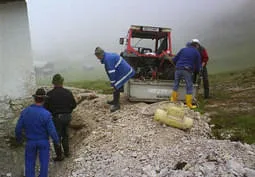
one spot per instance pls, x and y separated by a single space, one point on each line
71 29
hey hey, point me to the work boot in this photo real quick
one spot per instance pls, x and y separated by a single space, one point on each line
65 144
58 158
110 102
174 96
116 101
114 107
189 101
206 93
67 154
58 151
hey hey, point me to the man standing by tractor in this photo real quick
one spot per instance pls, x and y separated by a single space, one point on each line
204 73
118 71
60 103
186 62
38 126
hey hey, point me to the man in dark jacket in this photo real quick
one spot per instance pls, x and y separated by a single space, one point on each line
204 60
186 62
118 71
38 126
61 103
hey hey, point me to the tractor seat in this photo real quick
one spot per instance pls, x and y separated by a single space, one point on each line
146 50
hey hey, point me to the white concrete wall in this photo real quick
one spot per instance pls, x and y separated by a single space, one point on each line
16 67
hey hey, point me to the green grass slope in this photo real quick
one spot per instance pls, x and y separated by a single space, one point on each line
232 106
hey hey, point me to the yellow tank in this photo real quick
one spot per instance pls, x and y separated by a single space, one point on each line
174 121
173 110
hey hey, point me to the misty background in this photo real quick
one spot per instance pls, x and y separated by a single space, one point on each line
66 32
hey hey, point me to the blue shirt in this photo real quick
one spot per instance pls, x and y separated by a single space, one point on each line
37 123
188 57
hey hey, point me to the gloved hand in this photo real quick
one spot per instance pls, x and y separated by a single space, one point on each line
113 87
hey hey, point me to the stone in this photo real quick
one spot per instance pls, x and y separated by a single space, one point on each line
9 174
10 115
134 154
78 159
163 172
212 157
209 168
235 167
249 172
148 170
2 121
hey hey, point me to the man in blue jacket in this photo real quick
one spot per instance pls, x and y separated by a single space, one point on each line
37 124
187 61
118 71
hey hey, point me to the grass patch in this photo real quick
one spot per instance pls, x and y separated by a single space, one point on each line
233 77
234 127
201 105
101 86
232 119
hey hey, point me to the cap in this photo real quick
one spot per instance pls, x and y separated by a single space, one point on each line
99 51
41 93
57 79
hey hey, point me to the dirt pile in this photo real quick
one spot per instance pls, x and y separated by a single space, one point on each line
130 143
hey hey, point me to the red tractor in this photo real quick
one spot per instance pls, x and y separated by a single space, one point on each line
145 50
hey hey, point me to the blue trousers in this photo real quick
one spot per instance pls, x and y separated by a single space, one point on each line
187 76
32 149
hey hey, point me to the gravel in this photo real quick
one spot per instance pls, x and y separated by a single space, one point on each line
129 143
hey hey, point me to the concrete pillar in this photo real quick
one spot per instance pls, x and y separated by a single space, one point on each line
17 78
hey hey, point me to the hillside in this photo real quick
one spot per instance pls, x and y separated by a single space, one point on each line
232 105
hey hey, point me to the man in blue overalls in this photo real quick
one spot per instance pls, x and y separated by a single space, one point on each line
37 124
118 71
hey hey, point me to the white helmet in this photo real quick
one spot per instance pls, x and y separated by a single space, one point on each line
195 41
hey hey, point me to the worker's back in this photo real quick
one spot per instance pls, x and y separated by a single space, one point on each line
60 100
36 121
188 57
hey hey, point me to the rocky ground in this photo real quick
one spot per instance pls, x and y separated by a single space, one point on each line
130 143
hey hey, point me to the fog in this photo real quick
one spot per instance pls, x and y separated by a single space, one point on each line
70 30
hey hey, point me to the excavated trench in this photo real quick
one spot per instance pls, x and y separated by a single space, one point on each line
12 154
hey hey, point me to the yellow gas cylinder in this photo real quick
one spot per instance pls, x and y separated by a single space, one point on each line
174 121
175 111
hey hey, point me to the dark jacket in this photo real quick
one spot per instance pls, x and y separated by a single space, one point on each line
117 69
60 100
188 58
37 123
